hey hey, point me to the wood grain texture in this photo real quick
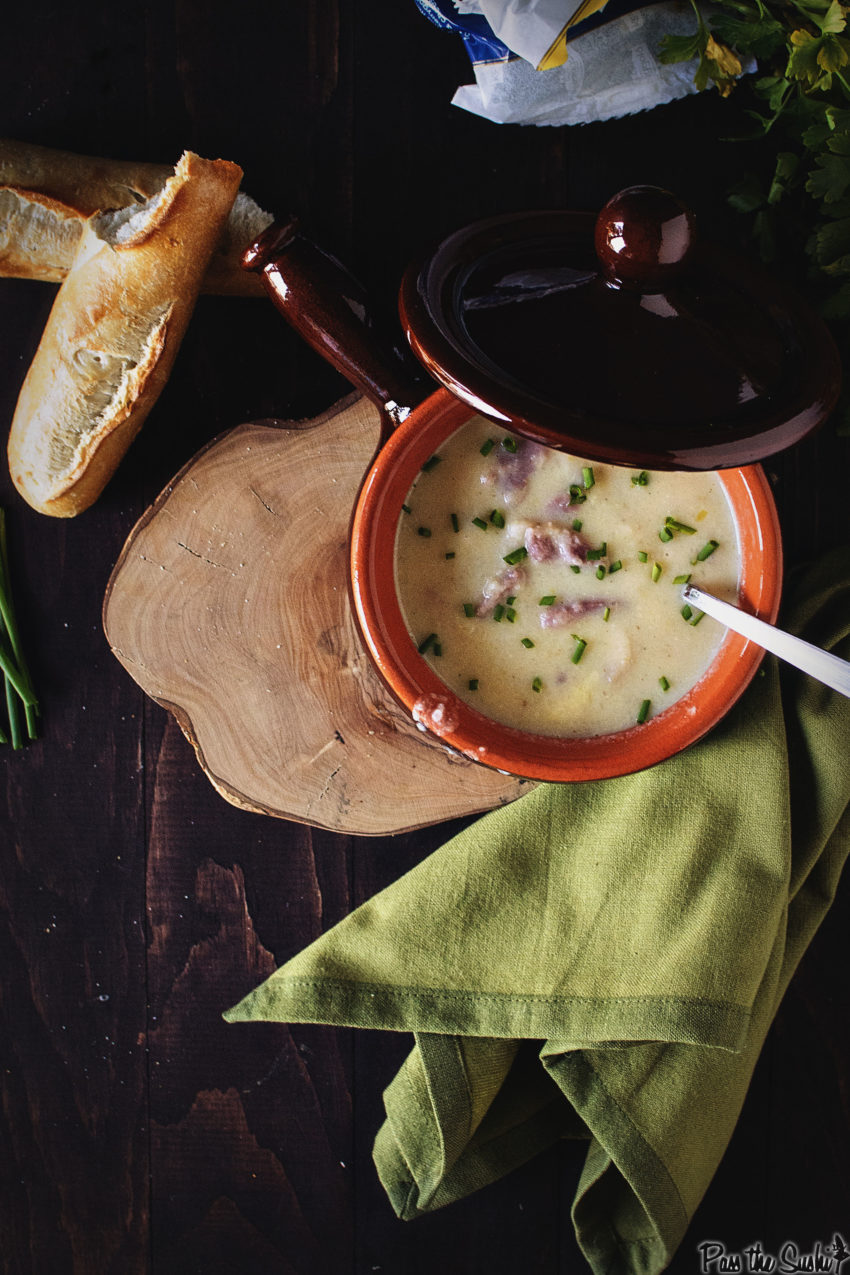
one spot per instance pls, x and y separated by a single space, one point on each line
229 605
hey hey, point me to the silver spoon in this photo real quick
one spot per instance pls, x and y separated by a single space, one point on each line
827 668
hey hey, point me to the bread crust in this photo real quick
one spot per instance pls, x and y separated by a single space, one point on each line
112 337
46 195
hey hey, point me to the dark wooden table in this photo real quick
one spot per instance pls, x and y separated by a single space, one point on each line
139 1132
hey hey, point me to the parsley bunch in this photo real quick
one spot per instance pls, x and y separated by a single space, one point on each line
799 104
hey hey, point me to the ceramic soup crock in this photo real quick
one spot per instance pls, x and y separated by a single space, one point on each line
623 338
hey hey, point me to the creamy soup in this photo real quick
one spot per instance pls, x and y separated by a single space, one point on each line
546 590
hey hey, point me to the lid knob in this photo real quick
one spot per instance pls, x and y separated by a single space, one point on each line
643 238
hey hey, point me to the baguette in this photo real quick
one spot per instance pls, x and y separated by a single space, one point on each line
47 195
112 335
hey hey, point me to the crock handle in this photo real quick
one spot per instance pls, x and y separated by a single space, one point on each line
330 310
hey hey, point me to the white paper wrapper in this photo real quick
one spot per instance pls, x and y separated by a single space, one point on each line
609 71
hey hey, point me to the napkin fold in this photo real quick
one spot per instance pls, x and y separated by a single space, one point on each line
602 961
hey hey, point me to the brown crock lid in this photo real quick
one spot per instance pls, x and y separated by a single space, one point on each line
624 338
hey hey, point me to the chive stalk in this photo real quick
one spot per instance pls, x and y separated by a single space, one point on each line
643 711
537 685
675 525
17 682
479 522
430 464
547 600
486 449
515 556
587 477
706 551
580 647
510 444
527 643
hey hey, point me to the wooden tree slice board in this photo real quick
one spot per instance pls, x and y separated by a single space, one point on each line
229 606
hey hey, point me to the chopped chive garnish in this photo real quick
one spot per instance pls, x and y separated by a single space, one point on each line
593 555
486 449
680 526
497 518
515 556
587 477
527 643
580 648
643 555
697 618
577 495
406 508
547 600
686 612
707 550
449 555
665 534
682 579
615 566
479 522
498 612
455 522
641 479
423 646
537 684
511 600
575 570
663 683
643 712
436 649
510 444
424 531
577 524
473 683
469 609
656 572
431 464
510 615
600 573
606 614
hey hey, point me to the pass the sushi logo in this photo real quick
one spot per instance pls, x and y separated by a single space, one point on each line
791 1259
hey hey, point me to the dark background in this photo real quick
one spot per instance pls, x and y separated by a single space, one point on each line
137 1131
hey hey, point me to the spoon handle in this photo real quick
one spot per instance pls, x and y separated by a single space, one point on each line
827 668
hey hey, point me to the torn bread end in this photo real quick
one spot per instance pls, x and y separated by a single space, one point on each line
113 334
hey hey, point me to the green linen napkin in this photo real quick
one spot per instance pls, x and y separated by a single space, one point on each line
601 960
